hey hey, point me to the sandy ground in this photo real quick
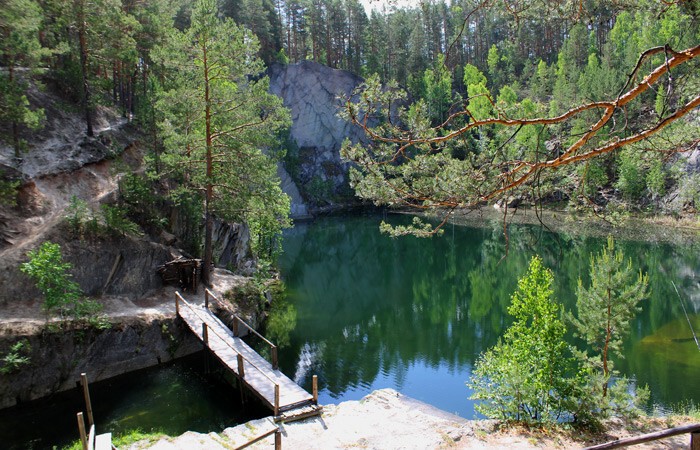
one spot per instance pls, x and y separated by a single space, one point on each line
387 419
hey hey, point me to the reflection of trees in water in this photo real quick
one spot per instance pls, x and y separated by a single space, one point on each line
380 305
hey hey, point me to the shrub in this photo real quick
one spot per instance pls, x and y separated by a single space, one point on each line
51 275
116 220
16 357
524 377
61 294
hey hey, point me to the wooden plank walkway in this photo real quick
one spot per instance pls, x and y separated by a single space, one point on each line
280 393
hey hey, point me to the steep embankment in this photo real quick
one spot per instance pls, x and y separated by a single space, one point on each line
116 270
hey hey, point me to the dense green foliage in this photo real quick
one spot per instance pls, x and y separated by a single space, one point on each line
16 357
532 375
525 376
51 275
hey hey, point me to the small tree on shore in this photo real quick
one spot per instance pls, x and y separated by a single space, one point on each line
606 307
524 377
51 275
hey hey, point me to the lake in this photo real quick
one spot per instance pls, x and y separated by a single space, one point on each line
365 311
171 398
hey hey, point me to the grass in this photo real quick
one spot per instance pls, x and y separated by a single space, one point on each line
125 439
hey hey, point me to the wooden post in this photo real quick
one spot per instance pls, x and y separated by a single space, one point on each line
205 334
695 440
278 439
277 400
81 427
86 394
206 298
235 325
177 305
314 388
275 362
241 371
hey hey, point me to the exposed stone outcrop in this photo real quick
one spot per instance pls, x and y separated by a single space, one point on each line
232 247
56 359
313 93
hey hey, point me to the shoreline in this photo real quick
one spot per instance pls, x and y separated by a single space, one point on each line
662 229
387 419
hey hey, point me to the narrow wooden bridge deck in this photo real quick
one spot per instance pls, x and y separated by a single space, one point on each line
287 399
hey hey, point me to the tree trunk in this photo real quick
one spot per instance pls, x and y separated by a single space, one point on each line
209 220
15 124
82 41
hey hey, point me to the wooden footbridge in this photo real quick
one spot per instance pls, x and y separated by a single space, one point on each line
287 400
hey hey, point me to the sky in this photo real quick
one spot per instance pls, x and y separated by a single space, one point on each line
377 4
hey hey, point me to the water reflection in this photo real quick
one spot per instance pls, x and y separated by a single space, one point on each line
413 314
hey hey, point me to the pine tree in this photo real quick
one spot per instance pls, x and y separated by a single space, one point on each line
606 307
20 21
218 115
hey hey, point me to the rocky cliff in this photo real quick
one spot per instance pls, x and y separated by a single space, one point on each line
313 93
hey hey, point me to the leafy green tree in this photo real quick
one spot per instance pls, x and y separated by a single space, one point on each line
478 94
525 376
631 178
20 22
606 307
438 90
217 117
51 275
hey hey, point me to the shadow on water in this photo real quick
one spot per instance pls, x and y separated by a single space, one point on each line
370 311
171 398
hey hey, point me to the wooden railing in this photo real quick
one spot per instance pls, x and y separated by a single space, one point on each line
278 439
693 430
236 320
240 358
89 440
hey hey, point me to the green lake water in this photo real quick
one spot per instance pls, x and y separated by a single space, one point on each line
171 398
365 311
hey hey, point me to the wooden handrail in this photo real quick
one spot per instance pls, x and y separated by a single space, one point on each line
205 337
186 303
236 317
694 431
276 432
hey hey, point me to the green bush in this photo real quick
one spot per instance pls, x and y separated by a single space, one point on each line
136 193
62 295
8 192
77 214
116 220
524 377
51 275
16 357
630 180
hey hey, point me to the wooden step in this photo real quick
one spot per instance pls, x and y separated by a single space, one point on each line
299 413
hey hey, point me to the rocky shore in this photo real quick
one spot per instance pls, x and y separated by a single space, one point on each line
387 419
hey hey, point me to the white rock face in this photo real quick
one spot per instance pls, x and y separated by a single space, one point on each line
314 93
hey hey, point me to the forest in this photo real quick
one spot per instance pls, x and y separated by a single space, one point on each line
590 105
510 59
